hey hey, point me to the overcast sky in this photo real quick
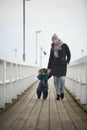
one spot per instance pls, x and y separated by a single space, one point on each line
66 18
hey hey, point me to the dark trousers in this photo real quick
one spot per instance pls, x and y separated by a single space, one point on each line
44 90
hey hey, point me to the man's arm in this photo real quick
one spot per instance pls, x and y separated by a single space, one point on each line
50 75
68 54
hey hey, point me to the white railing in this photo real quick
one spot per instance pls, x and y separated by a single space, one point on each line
76 80
15 78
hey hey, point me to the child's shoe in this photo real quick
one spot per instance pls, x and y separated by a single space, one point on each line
39 96
44 97
62 95
58 97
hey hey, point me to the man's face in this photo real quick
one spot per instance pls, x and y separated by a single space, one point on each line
55 41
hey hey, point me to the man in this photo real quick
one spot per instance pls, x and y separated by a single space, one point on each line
59 58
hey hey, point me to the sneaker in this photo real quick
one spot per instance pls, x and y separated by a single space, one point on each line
62 95
58 97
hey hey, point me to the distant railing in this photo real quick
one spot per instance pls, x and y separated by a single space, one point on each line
15 78
76 80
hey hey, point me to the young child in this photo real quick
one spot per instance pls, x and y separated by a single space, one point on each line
43 84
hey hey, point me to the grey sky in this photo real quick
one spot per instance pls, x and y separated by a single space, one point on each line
67 18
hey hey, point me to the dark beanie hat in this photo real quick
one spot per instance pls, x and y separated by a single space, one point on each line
54 37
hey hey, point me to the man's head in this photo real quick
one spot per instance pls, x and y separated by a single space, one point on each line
55 39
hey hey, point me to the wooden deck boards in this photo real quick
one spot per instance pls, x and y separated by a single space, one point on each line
30 113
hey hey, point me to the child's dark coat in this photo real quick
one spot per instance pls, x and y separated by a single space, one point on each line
43 85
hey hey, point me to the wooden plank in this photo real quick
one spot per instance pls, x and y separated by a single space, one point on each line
20 121
30 113
43 123
64 117
8 121
55 122
15 106
32 120
72 111
65 120
76 107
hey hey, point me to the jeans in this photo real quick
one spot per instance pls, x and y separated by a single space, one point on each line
59 83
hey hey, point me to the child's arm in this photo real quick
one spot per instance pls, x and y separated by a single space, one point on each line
40 76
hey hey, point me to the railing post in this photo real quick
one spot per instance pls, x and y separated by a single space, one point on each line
2 83
86 84
8 84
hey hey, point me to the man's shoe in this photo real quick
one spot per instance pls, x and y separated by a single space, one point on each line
58 97
62 95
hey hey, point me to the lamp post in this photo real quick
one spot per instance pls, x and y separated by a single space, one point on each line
41 50
24 57
37 32
15 50
82 51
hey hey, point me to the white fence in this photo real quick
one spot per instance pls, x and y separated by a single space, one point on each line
76 80
15 78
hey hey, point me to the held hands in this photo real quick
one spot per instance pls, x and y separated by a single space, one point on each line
48 71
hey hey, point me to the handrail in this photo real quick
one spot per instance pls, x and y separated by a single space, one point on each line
76 79
15 78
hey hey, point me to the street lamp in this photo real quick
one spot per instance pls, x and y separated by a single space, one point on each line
37 32
15 50
82 51
24 29
41 50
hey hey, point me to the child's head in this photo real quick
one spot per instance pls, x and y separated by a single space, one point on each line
43 71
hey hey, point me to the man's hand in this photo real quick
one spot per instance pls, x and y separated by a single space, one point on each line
48 71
